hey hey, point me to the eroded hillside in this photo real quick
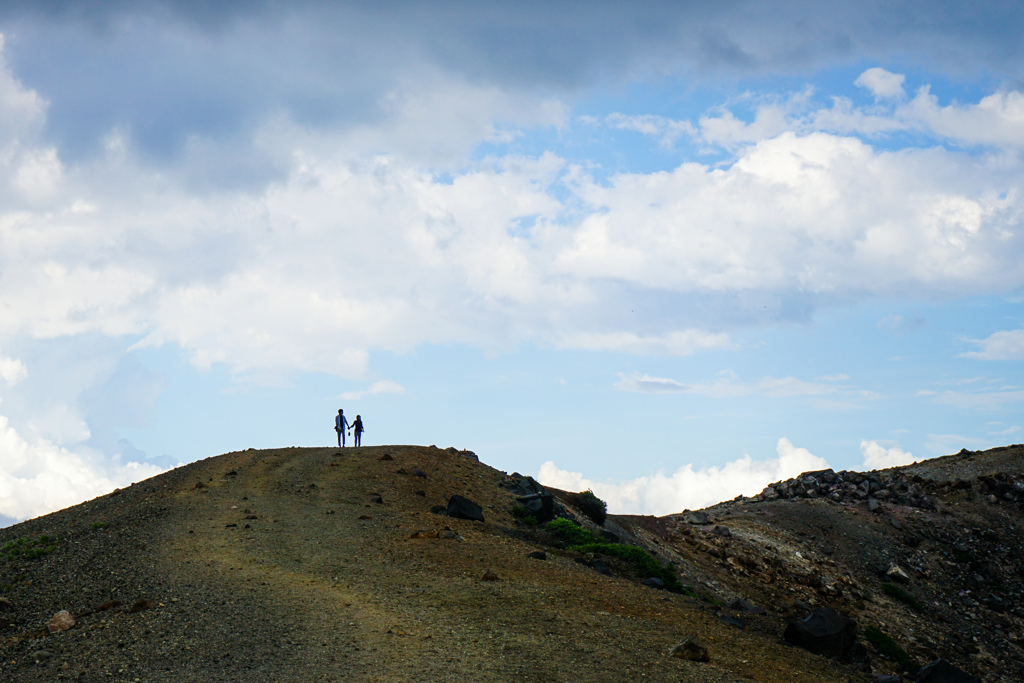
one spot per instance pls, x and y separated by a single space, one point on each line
318 564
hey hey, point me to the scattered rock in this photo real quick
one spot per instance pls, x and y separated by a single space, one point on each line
452 535
941 671
698 517
826 632
386 456
200 485
691 650
419 473
489 576
722 531
440 510
538 555
365 517
377 499
897 575
6 605
654 582
741 605
461 507
61 621
421 493
141 605
874 505
737 622
887 678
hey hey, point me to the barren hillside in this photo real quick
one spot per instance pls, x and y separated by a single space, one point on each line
320 564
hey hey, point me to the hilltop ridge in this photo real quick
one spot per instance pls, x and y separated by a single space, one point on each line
318 564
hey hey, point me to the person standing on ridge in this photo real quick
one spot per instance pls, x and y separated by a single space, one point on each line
340 425
357 427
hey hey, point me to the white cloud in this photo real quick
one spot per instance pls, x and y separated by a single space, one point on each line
877 457
383 386
37 478
668 131
1005 432
1004 345
882 84
689 488
675 343
727 385
12 370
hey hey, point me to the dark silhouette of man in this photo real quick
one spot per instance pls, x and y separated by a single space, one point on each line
340 425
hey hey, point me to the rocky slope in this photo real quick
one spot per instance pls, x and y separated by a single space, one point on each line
318 564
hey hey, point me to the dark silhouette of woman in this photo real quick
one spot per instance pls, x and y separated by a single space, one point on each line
357 430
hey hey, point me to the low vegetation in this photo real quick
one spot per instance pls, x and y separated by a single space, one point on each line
897 593
890 649
25 549
580 540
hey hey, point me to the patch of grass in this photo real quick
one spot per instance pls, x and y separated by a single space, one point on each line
580 540
98 525
23 548
571 534
641 560
890 649
524 516
897 593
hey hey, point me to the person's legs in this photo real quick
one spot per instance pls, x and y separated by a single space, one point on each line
359 438
339 437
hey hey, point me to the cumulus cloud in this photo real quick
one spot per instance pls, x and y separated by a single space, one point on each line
37 478
877 457
689 487
12 370
882 84
1004 345
383 386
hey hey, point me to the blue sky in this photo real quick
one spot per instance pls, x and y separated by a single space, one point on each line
669 251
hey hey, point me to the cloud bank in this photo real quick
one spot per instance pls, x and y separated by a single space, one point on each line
687 487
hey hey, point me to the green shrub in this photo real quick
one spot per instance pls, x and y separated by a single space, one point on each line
590 505
571 534
888 648
22 548
897 593
98 525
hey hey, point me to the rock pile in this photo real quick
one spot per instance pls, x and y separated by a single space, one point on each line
896 488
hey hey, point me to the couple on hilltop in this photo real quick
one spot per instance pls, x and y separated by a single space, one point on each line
341 424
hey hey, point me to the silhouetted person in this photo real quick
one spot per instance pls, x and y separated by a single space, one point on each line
340 425
357 427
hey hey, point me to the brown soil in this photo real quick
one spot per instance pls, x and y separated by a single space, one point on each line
280 565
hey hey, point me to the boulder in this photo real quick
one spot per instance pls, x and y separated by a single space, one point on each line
61 621
540 505
741 605
722 531
461 507
941 671
654 582
691 650
897 575
826 632
697 517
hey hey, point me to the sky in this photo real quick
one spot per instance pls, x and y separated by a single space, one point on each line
668 251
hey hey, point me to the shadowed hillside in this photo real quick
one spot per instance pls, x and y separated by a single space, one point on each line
314 564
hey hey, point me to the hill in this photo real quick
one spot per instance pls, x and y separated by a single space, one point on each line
309 564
